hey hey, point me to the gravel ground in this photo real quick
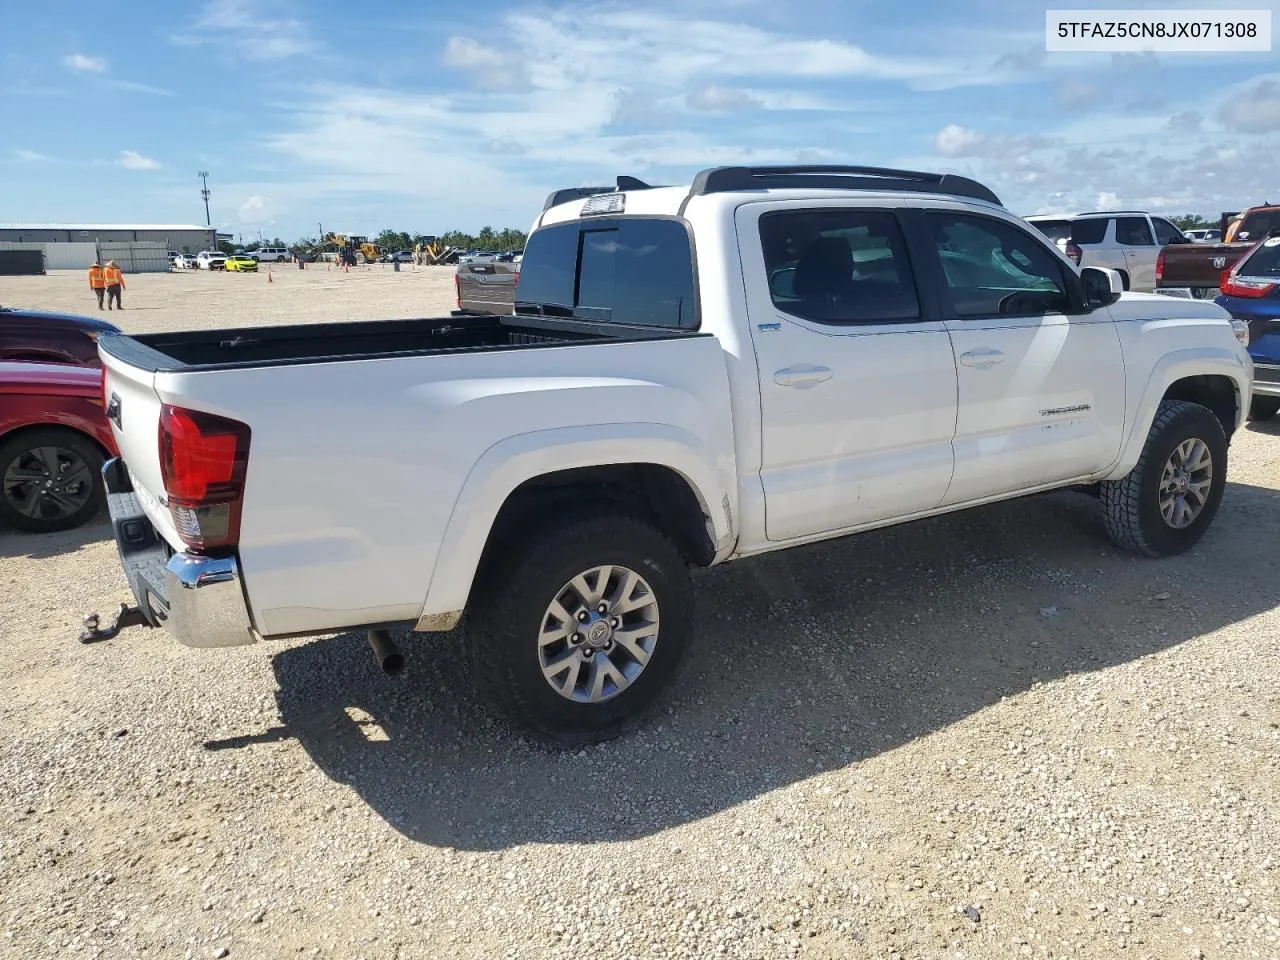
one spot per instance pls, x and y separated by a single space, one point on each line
987 735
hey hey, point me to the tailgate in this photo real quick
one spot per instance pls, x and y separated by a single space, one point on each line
133 408
1199 264
487 287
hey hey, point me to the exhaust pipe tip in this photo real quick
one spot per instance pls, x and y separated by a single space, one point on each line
385 651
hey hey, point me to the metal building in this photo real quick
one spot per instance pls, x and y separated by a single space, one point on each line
181 237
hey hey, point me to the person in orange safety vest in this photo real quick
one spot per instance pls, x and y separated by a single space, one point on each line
115 283
97 281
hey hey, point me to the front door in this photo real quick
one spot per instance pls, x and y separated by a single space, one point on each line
857 378
1041 384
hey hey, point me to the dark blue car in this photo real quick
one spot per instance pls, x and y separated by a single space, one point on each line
1251 292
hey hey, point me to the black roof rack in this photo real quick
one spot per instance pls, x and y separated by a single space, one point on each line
830 177
581 193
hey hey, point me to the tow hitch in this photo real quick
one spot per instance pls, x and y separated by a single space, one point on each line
126 616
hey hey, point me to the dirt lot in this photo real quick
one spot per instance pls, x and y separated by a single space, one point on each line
984 736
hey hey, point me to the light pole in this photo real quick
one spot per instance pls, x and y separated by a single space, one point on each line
204 192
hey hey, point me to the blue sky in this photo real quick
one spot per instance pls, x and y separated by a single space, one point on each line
427 117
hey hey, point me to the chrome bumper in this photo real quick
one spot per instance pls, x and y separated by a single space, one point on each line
199 600
1266 379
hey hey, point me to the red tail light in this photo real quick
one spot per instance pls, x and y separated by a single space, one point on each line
1160 265
457 290
1232 286
203 459
1074 252
102 387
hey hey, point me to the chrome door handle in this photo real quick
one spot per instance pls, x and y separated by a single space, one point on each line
983 358
803 376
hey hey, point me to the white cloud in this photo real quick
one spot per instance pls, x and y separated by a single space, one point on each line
255 210
247 29
134 87
132 160
1255 110
954 140
85 63
489 67
30 156
717 99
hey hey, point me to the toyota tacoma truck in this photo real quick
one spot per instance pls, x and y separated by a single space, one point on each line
768 357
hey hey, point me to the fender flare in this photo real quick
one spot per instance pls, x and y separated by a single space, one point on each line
510 462
1172 367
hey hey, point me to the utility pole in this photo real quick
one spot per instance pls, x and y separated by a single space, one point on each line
204 192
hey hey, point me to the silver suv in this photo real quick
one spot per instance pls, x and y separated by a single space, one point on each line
1124 240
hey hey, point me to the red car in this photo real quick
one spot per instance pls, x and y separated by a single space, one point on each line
54 438
50 337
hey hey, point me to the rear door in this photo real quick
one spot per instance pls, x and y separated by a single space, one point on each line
1041 383
857 379
1133 234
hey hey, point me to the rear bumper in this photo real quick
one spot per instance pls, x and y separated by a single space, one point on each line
1266 379
199 600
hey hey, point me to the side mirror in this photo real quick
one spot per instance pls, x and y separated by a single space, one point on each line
781 283
1102 287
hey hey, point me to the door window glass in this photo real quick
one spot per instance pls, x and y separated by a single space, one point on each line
839 266
996 269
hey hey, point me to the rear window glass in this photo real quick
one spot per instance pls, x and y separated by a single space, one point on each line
1263 262
1133 232
839 266
1055 230
619 270
1258 225
1092 230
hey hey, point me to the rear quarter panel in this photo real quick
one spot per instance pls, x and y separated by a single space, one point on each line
355 468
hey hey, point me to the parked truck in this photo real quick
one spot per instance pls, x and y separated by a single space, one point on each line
769 357
1197 269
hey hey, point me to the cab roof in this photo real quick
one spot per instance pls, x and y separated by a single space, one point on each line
632 195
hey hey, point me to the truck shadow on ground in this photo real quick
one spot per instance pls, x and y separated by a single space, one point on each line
39 546
806 661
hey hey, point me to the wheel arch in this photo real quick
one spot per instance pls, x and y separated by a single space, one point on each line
1214 378
26 428
657 471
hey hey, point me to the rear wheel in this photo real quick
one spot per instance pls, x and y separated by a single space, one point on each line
1168 500
579 628
1264 408
50 479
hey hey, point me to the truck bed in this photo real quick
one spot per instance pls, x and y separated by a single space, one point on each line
361 340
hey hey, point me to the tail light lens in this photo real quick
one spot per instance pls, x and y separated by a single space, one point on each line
457 290
102 387
1073 251
203 459
1233 286
1160 265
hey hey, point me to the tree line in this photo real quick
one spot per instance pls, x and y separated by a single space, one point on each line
487 239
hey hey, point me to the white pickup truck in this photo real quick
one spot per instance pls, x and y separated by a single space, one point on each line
766 358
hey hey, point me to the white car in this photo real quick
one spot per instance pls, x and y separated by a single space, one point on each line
210 260
269 254
186 261
1203 235
1127 241
693 375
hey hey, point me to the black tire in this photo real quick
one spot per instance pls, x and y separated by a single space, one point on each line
508 610
1131 505
1264 408
73 444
